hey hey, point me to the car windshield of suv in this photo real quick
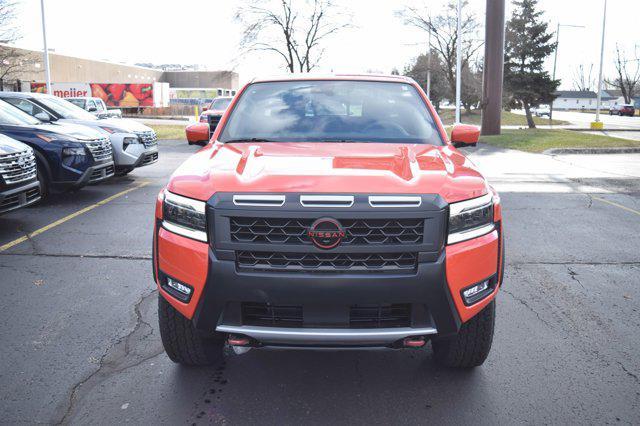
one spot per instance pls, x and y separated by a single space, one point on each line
220 104
331 111
12 116
65 108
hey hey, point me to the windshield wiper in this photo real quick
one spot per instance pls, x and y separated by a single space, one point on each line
249 140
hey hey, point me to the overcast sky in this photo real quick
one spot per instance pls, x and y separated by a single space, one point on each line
204 32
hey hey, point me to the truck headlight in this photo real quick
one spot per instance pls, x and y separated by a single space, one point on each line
470 219
184 216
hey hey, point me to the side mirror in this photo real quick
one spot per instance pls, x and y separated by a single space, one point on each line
198 132
464 135
43 116
204 108
92 109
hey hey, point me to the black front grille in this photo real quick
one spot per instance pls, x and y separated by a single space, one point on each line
20 199
102 173
150 158
213 122
380 316
263 314
358 231
327 262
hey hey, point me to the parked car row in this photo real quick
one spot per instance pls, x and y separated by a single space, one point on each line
49 144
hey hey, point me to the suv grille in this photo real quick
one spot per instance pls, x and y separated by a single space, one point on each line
327 262
213 122
148 138
263 314
358 231
100 149
18 167
20 199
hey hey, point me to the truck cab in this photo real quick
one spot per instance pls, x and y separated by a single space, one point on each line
95 106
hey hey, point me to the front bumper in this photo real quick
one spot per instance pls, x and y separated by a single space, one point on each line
325 302
94 174
136 155
433 291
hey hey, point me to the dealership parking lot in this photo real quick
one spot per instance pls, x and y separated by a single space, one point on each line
81 345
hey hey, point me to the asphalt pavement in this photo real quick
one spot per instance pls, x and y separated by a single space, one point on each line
80 342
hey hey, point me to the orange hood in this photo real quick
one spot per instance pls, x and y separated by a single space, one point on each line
328 168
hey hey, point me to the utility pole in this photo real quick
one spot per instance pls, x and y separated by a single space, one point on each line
493 68
555 60
598 124
458 61
429 65
47 70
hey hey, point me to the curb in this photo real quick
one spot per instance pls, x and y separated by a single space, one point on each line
562 151
577 129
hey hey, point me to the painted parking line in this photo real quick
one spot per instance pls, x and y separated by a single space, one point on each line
629 209
69 217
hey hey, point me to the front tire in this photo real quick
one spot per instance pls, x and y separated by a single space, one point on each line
470 347
44 182
183 343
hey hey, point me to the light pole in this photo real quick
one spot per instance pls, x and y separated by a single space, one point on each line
458 61
47 71
555 60
598 124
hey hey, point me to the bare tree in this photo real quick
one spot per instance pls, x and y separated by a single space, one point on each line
12 61
445 35
293 30
583 78
627 78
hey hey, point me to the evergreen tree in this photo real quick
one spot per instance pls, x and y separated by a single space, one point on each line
527 45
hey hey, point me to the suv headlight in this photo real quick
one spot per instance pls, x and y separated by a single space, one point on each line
130 141
470 219
184 216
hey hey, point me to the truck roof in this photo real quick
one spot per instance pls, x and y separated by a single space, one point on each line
349 77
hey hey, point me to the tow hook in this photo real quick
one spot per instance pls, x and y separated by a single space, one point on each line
414 342
240 344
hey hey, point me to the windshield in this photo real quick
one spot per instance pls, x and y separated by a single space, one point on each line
77 102
220 104
331 111
65 108
11 115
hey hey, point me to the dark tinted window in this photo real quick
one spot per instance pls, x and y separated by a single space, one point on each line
314 111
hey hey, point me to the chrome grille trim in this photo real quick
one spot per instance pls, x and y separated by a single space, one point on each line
100 149
394 201
259 200
330 201
18 167
148 138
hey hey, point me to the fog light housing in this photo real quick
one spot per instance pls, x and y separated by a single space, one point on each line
477 292
175 288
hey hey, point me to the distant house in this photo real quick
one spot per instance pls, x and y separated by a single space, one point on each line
619 99
581 99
